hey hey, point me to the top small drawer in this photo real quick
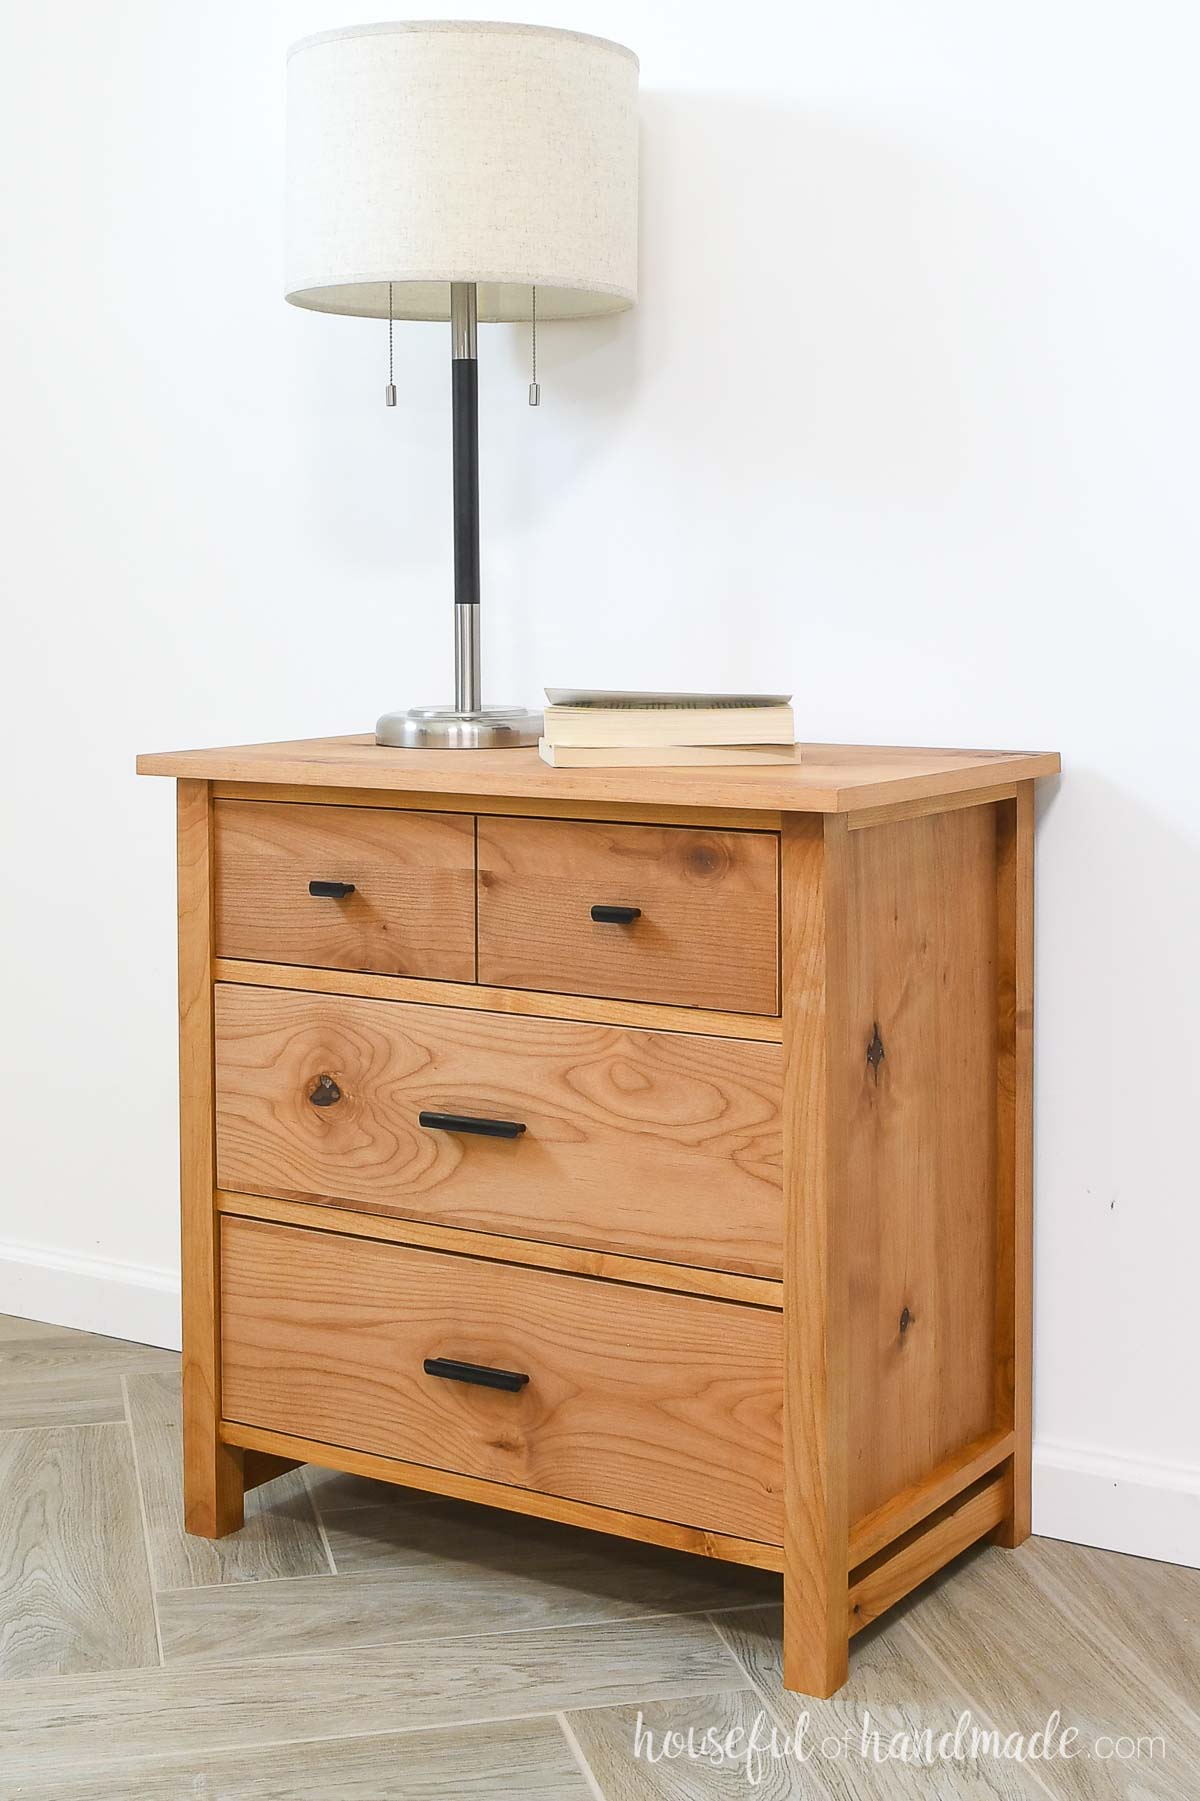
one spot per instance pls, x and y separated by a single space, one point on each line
411 906
706 930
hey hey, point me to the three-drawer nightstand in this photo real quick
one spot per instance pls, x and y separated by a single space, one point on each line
644 1149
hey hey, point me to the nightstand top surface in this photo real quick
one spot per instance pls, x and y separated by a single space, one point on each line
830 778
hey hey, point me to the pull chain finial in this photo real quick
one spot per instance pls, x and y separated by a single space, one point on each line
535 392
389 393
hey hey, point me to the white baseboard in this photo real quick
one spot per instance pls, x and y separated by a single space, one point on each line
93 1294
1118 1503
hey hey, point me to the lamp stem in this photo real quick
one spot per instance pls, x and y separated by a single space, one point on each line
464 372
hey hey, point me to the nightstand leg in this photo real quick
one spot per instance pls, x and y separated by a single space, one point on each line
816 1298
212 1471
1014 1150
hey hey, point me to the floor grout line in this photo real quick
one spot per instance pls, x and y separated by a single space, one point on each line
444 1638
318 1517
905 1627
145 1519
150 1758
576 1750
118 1419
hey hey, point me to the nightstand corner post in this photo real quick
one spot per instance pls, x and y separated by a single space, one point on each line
816 1298
1014 1152
212 1471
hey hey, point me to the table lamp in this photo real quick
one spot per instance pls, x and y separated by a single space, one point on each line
469 172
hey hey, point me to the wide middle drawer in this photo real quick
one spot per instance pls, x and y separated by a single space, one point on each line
656 1144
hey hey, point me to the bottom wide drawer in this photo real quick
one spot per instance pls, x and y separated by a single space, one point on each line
642 1400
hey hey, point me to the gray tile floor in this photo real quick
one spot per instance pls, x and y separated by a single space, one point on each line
356 1642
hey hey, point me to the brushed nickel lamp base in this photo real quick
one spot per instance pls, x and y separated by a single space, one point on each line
446 728
468 724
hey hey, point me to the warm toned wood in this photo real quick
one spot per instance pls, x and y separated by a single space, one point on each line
628 812
631 1391
815 1282
654 1144
752 1291
1014 1149
693 1020
829 778
913 1504
921 809
426 1479
707 1134
920 919
212 1469
700 893
412 912
886 1579
259 1467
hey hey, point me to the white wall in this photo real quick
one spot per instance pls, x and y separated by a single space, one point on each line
906 419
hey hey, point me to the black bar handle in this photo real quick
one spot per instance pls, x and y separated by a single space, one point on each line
331 890
616 916
479 1373
463 1122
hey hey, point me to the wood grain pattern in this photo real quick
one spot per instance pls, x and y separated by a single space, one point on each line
242 1704
920 919
829 778
914 1503
421 1480
505 1760
700 894
665 1396
882 1581
51 1376
280 1536
413 907
754 1291
1014 1150
628 812
816 1404
1024 1646
212 1470
442 1570
74 1586
651 1143
695 1021
866 817
898 1691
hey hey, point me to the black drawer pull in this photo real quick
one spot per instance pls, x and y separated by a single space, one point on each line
462 1122
479 1373
331 890
616 916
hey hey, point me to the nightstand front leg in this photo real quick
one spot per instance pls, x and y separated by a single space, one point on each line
816 1529
212 1471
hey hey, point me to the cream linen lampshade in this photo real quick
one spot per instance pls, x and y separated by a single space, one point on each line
428 153
465 172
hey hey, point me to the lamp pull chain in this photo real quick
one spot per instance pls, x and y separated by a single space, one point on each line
389 393
535 392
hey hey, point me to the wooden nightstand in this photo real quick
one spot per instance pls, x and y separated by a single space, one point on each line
646 1149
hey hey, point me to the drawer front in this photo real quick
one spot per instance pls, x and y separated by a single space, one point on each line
653 1143
412 910
708 930
651 1402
